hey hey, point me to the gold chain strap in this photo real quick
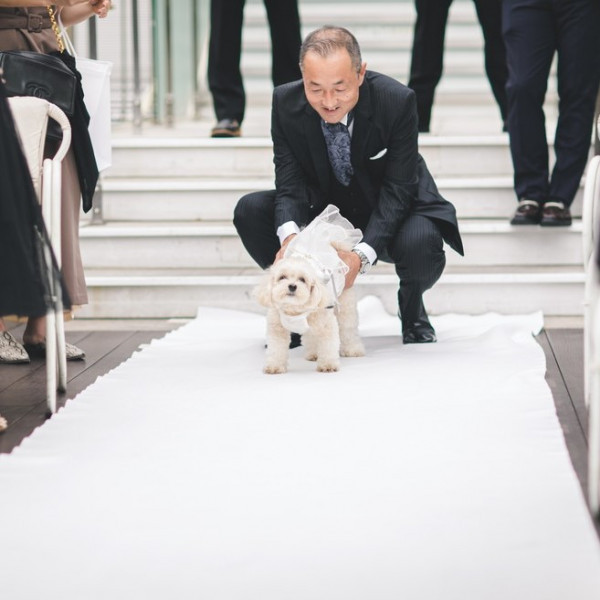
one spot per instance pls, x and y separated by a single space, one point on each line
55 28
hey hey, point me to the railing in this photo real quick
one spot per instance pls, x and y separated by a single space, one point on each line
159 49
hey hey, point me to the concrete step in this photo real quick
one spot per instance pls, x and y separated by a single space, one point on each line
454 90
189 200
555 291
216 245
249 158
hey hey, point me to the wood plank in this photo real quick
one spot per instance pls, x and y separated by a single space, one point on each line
567 345
23 403
119 353
22 428
574 435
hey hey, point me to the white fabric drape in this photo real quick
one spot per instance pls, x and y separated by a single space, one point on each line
418 472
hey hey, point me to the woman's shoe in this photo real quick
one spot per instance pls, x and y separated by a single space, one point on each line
11 352
39 351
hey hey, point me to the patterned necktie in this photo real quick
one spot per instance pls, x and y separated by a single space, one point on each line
337 138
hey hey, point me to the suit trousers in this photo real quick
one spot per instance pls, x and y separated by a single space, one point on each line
533 31
428 52
225 48
417 250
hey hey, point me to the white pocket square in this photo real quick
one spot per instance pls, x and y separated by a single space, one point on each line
379 154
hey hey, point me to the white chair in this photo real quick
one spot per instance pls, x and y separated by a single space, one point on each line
591 326
590 226
31 118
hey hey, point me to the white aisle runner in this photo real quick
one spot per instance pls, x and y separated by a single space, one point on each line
433 472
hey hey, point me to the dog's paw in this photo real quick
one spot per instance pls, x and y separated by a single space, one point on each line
312 356
272 369
328 367
355 349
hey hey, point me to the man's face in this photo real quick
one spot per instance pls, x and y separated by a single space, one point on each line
331 84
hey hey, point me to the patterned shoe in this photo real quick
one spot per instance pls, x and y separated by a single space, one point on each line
11 352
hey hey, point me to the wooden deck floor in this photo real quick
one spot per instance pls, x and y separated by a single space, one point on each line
22 387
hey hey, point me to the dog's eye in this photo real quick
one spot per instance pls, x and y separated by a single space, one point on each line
282 277
302 279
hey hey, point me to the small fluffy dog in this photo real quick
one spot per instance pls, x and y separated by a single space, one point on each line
299 299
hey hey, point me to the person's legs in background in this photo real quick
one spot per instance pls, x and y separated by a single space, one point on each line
427 60
284 24
224 75
489 13
530 41
578 72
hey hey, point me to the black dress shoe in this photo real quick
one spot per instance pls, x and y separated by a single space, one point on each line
529 212
226 128
419 333
556 214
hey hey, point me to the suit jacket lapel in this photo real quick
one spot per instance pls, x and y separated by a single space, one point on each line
360 137
361 133
362 126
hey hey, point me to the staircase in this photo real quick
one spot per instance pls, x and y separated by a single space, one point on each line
167 244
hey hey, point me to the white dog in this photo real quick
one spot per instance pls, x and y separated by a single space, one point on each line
300 299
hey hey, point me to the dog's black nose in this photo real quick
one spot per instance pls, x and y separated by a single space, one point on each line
292 287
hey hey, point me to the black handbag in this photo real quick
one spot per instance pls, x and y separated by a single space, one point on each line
27 73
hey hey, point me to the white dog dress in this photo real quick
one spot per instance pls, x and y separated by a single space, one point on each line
317 244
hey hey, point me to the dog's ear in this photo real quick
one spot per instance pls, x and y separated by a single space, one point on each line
262 292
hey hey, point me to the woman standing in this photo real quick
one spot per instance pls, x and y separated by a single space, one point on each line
26 25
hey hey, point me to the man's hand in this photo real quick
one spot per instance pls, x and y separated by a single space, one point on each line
287 240
353 261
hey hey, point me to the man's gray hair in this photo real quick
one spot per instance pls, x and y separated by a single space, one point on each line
329 39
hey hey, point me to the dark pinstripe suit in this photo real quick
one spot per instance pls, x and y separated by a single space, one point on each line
408 219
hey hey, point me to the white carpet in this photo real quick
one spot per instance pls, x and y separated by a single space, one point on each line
433 472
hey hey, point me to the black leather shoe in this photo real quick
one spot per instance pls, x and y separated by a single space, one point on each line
556 214
226 128
419 333
529 212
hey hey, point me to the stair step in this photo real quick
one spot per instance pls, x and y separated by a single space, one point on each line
183 245
555 292
253 157
148 200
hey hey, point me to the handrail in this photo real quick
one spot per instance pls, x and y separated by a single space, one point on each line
137 94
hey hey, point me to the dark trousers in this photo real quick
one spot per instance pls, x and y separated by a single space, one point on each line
428 52
225 48
417 250
533 31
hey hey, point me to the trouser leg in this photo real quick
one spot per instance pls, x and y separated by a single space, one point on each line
530 40
284 24
225 48
254 219
427 54
489 13
578 71
418 254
